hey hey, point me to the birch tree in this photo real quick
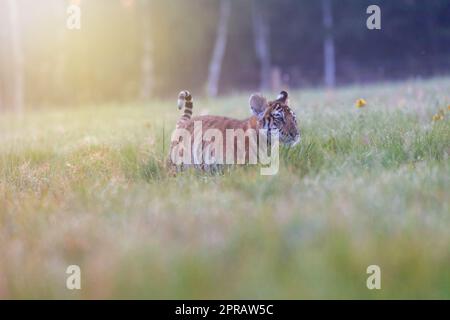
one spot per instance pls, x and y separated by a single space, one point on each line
328 45
2 55
17 78
215 65
261 33
60 14
147 70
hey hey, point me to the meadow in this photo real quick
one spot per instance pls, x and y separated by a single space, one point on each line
366 186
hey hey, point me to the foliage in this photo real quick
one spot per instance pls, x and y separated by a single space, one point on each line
102 62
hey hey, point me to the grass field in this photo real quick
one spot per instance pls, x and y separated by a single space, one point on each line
365 186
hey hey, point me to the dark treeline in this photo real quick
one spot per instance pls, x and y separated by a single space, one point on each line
130 49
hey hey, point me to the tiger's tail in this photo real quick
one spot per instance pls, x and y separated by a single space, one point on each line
185 102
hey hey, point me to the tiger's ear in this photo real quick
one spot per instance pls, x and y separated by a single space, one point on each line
283 97
258 104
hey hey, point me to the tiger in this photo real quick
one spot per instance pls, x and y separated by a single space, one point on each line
268 117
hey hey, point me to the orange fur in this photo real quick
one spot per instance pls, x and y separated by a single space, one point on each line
222 124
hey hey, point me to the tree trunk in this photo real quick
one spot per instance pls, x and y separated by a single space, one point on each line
262 45
147 54
215 65
433 54
59 11
328 45
16 57
3 69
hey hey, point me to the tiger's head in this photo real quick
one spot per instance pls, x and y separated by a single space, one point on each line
276 117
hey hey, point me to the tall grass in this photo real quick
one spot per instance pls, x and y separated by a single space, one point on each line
365 186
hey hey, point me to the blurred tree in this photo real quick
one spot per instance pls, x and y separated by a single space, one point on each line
16 56
125 50
261 30
215 65
329 59
3 40
147 54
58 9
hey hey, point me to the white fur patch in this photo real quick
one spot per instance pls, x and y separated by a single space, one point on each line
181 103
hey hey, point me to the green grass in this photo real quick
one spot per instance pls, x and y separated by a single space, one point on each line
365 186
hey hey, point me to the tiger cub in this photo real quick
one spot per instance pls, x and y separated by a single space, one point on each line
268 117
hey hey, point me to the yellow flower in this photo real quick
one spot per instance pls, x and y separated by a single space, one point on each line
438 117
448 107
360 103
